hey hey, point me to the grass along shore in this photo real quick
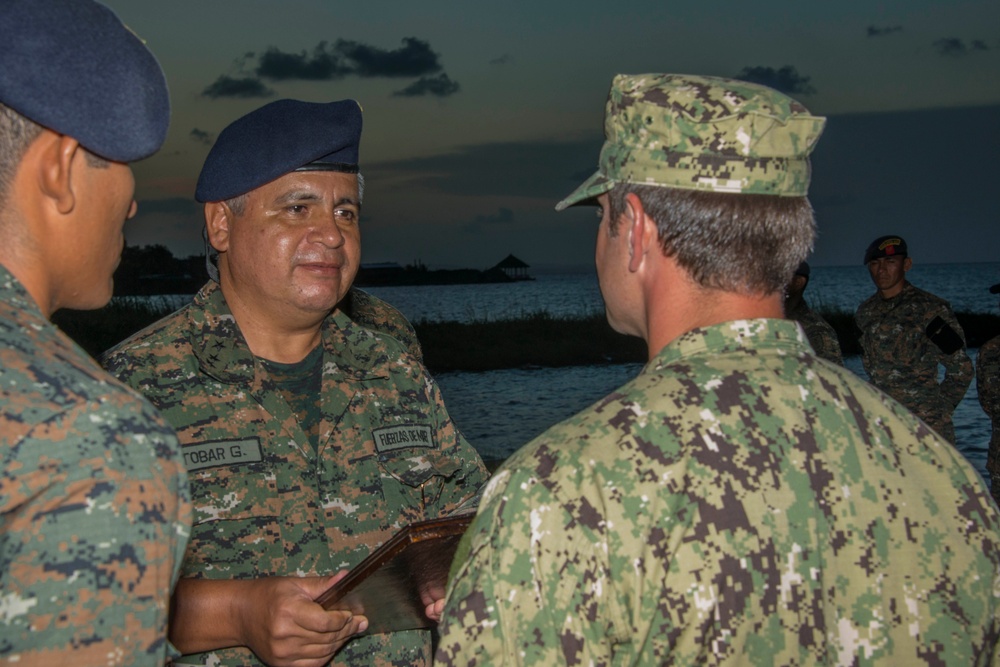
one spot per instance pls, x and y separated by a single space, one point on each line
535 339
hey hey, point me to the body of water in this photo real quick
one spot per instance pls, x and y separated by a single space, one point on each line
966 286
498 411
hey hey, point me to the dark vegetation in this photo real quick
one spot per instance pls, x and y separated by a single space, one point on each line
536 339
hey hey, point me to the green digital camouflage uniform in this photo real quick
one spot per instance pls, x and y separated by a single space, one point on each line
740 502
374 313
264 505
821 335
94 505
988 388
902 361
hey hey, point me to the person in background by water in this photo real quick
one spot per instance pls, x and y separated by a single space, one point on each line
741 501
821 335
906 333
94 505
309 439
988 388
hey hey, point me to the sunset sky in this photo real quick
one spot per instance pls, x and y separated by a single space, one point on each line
480 116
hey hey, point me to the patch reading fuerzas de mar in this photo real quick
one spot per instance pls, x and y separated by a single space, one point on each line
221 453
391 438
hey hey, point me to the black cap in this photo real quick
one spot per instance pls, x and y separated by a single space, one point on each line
886 246
71 66
277 139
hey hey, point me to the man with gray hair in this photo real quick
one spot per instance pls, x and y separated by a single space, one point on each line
741 501
94 506
309 438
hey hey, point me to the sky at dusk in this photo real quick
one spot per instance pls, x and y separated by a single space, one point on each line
479 117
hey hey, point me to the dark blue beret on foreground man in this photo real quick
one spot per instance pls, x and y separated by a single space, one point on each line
94 510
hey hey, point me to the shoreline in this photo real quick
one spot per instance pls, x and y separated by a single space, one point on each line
536 339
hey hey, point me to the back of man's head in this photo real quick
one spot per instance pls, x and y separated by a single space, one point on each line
72 67
721 165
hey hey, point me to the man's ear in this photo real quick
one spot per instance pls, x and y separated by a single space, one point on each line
218 220
907 264
641 230
58 179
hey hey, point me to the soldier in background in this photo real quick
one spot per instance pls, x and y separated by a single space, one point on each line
94 508
906 333
988 388
309 438
740 501
821 335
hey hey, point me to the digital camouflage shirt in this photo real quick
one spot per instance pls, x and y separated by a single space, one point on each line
374 313
988 388
903 340
740 502
94 505
821 335
265 502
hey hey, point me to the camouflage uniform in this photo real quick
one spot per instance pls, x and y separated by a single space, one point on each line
264 505
988 387
902 361
821 335
94 505
685 520
374 313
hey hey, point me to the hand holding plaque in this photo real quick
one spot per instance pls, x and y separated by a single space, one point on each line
393 586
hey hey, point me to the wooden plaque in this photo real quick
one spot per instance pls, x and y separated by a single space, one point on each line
394 584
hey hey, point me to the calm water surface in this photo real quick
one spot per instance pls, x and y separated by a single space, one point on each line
966 286
498 411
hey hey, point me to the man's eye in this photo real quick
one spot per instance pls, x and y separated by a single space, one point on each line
297 208
345 213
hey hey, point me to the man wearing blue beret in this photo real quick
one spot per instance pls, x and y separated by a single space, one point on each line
309 439
94 506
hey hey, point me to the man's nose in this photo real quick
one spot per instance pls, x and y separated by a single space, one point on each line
328 232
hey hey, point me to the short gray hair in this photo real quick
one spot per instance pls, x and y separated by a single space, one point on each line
748 244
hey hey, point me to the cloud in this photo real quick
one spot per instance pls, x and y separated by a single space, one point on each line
787 79
956 48
320 66
882 31
438 86
329 62
202 137
227 86
415 58
502 60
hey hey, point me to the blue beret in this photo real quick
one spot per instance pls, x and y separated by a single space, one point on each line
71 66
277 139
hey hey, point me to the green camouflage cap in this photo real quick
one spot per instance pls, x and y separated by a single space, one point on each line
702 133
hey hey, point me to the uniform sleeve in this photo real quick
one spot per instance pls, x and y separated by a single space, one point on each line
96 515
957 365
469 473
988 377
530 592
824 340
